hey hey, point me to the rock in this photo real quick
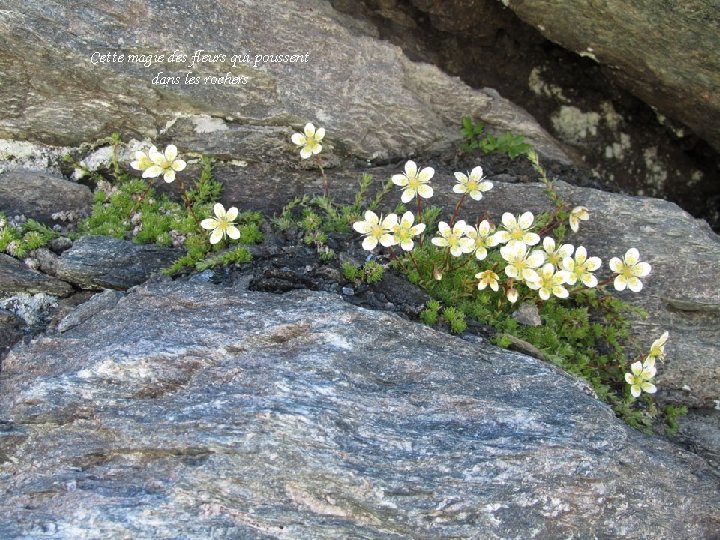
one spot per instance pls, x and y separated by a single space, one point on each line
9 331
527 314
46 261
98 262
195 410
360 89
60 244
99 302
667 54
40 196
16 278
34 310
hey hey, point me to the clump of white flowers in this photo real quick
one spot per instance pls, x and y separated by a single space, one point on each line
555 270
154 163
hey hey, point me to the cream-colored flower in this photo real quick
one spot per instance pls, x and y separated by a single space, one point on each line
512 295
517 230
474 185
576 215
454 238
222 224
640 378
657 349
482 238
550 282
629 270
488 278
165 163
142 160
376 229
555 255
521 264
404 231
309 140
414 182
580 268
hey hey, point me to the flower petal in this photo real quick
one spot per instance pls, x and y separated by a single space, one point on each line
509 220
231 214
632 257
634 284
209 223
369 243
426 174
178 165
616 265
216 236
641 269
219 210
619 283
399 180
407 195
171 153
410 169
309 130
425 191
299 139
526 220
169 176
152 172
320 134
233 232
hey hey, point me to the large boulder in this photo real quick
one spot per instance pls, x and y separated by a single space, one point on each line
47 198
666 53
194 410
359 88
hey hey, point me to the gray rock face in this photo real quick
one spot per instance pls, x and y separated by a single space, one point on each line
196 411
360 89
17 278
666 53
100 262
39 195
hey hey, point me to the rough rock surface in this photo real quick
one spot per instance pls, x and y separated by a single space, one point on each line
17 278
666 53
40 195
101 262
193 410
359 88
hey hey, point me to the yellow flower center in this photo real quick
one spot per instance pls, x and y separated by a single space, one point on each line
471 185
517 234
414 182
626 272
377 231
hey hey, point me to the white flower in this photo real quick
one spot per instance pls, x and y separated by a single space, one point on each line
657 349
163 163
580 268
488 278
640 378
517 230
376 230
309 140
453 238
555 255
512 295
222 224
404 231
481 238
576 214
521 265
415 184
550 282
629 270
142 160
474 185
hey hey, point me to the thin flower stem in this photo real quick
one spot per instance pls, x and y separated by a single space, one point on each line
142 197
326 185
188 205
457 209
419 208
